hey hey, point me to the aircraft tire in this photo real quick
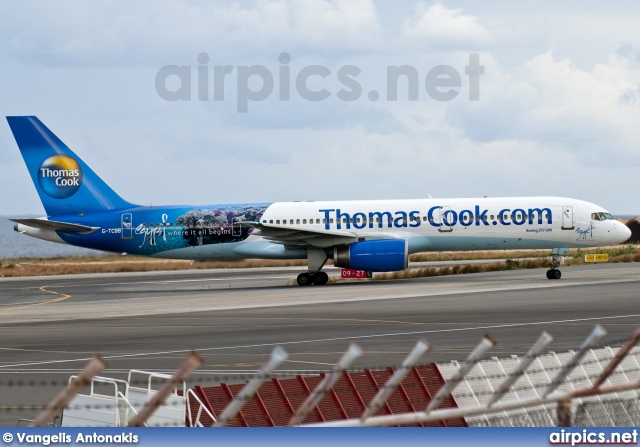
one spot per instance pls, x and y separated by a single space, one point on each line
304 279
549 274
557 274
320 279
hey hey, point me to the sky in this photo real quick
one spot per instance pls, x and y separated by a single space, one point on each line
557 109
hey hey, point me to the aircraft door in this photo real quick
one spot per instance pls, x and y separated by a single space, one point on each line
236 228
126 226
446 219
567 218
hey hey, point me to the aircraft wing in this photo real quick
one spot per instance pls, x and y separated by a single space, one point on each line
300 236
55 225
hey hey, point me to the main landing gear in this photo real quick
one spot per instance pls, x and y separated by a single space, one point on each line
316 258
318 278
556 262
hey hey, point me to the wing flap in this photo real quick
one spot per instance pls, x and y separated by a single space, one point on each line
300 236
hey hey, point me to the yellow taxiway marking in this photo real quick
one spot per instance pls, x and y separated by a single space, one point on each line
309 363
61 297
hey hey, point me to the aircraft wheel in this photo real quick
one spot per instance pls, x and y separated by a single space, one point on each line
556 274
320 278
304 279
549 274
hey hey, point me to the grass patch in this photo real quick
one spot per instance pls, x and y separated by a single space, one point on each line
118 264
613 250
516 259
458 269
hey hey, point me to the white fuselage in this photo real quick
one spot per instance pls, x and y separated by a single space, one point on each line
457 224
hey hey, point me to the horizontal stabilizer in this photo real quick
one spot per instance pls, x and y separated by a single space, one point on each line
55 226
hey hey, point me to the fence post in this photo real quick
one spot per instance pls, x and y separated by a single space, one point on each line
595 335
64 397
620 355
193 361
535 350
485 344
393 381
564 412
326 385
278 355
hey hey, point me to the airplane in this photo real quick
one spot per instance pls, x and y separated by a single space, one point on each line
369 235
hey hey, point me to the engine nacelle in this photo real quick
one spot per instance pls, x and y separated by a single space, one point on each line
386 255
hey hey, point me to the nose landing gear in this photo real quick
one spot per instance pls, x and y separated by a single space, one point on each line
554 274
556 261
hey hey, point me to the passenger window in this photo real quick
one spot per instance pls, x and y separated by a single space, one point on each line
290 221
277 222
298 221
331 220
424 218
304 221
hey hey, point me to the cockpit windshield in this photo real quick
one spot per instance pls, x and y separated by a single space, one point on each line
601 216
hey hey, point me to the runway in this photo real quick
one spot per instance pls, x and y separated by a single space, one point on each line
50 326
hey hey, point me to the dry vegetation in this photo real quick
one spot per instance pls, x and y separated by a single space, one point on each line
502 254
517 259
116 263
458 269
617 253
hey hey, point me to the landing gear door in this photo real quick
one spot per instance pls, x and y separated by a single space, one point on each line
126 226
446 219
567 218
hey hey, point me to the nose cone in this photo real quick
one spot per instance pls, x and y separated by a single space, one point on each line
624 232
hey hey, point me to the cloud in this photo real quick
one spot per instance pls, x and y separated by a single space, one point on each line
558 101
440 27
590 113
172 31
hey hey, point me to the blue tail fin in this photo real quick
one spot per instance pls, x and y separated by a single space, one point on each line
66 185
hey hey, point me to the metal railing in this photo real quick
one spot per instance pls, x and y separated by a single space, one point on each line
570 390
